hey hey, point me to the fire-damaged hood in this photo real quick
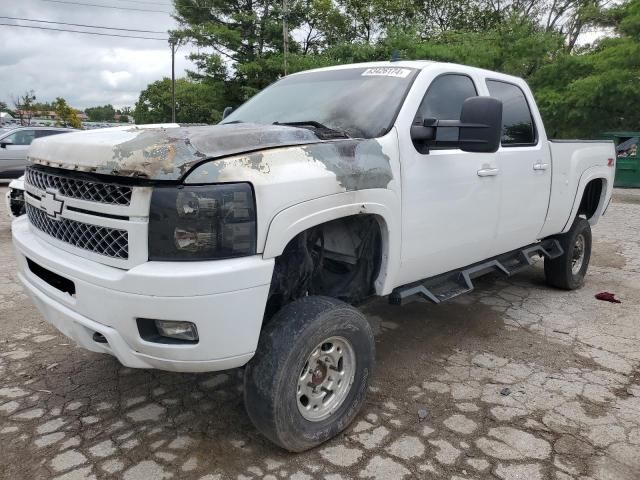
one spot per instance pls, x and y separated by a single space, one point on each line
164 152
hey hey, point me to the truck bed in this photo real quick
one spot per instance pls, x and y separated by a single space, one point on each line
574 163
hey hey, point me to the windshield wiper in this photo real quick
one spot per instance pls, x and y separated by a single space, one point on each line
321 130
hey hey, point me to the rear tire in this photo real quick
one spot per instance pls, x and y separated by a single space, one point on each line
568 270
309 377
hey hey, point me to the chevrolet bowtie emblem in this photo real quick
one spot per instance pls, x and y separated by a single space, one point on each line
51 204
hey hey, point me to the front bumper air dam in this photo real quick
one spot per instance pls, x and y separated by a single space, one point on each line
224 298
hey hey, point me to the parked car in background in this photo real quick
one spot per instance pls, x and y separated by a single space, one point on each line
14 144
15 198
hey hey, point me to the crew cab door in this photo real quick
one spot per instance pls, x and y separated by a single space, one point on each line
450 198
525 169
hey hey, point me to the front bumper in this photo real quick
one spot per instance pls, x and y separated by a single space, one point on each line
224 298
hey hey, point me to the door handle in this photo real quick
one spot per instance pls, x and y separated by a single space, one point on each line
488 172
541 166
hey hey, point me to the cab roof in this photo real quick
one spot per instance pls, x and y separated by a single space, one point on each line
416 64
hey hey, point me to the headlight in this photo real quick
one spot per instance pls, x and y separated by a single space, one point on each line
202 222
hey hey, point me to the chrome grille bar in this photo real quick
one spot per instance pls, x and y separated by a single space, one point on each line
80 188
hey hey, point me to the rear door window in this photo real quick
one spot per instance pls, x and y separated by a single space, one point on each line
518 128
47 133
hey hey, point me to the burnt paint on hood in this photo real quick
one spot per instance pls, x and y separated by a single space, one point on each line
160 153
358 164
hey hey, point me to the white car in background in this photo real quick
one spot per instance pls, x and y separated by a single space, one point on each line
15 198
14 144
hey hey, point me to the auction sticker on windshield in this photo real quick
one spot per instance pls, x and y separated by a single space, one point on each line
387 72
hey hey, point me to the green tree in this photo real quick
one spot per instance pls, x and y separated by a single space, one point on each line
240 32
514 46
581 89
24 107
321 24
596 90
67 116
124 113
246 36
42 107
434 17
196 102
104 113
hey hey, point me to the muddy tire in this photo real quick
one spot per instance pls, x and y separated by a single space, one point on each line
568 270
309 377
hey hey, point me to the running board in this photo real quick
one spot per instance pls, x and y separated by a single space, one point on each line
452 284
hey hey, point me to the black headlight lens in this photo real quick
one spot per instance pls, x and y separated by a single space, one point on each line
202 222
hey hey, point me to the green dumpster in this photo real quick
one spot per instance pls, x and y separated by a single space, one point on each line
628 158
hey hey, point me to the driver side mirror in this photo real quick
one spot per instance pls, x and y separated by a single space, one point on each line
226 112
4 143
479 127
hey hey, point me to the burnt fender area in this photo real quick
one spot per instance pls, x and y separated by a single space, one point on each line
339 259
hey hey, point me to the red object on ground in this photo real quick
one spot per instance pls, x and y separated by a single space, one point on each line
607 297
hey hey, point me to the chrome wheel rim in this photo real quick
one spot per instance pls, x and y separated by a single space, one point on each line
325 379
577 259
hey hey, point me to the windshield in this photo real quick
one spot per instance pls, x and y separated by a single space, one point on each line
361 102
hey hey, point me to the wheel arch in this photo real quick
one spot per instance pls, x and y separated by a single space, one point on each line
592 196
289 223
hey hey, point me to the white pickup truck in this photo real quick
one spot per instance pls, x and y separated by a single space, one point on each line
195 249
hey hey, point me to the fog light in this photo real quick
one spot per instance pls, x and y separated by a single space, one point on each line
177 330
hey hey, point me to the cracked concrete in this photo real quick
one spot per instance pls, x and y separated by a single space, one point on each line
514 381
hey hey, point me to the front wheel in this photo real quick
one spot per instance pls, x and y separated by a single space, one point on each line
309 377
569 269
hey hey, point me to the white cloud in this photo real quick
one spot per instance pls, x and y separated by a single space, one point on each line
85 70
114 79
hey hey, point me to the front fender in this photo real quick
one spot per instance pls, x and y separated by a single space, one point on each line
379 202
283 178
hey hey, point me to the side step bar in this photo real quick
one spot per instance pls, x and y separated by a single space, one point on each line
457 282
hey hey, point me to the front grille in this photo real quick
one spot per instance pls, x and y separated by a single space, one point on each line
80 189
106 241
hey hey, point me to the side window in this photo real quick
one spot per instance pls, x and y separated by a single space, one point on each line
443 101
518 127
46 133
21 137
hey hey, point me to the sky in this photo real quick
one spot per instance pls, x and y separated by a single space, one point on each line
85 70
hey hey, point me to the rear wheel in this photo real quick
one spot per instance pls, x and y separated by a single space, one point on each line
568 270
309 377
